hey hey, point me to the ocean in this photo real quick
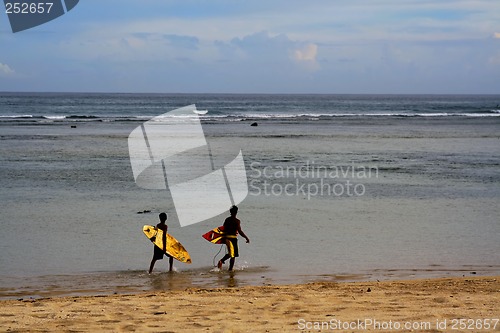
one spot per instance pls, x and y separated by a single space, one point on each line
340 188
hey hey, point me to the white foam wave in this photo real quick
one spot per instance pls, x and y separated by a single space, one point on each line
55 117
18 116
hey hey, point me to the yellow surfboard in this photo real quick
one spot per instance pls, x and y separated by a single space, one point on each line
174 248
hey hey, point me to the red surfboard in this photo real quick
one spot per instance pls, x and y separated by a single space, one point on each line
215 235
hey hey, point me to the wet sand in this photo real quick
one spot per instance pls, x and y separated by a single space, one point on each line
426 305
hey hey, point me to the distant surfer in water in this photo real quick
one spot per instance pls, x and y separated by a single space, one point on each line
232 226
159 253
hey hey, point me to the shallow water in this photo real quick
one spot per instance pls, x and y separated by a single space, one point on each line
71 223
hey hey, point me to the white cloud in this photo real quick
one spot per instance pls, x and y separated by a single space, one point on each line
5 70
306 55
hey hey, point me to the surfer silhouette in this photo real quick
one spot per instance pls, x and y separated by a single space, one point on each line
232 226
159 253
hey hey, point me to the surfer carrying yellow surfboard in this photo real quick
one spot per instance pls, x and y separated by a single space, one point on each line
159 253
232 226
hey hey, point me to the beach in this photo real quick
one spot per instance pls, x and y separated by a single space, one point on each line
465 304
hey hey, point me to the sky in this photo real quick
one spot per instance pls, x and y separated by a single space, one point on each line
259 46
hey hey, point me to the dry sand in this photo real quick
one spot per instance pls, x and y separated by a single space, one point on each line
432 305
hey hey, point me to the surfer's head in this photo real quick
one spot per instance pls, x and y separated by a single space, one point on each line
233 210
163 217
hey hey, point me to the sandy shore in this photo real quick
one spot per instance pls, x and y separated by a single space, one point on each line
432 305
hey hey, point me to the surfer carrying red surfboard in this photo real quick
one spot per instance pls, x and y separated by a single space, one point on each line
232 226
159 253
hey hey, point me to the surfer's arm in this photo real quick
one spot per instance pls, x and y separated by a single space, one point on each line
164 238
242 233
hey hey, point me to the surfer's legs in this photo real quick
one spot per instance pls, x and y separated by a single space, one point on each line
231 263
223 260
232 253
152 265
170 263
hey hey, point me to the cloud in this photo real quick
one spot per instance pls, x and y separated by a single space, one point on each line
187 42
496 35
5 70
306 55
260 48
263 43
266 48
133 46
177 41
